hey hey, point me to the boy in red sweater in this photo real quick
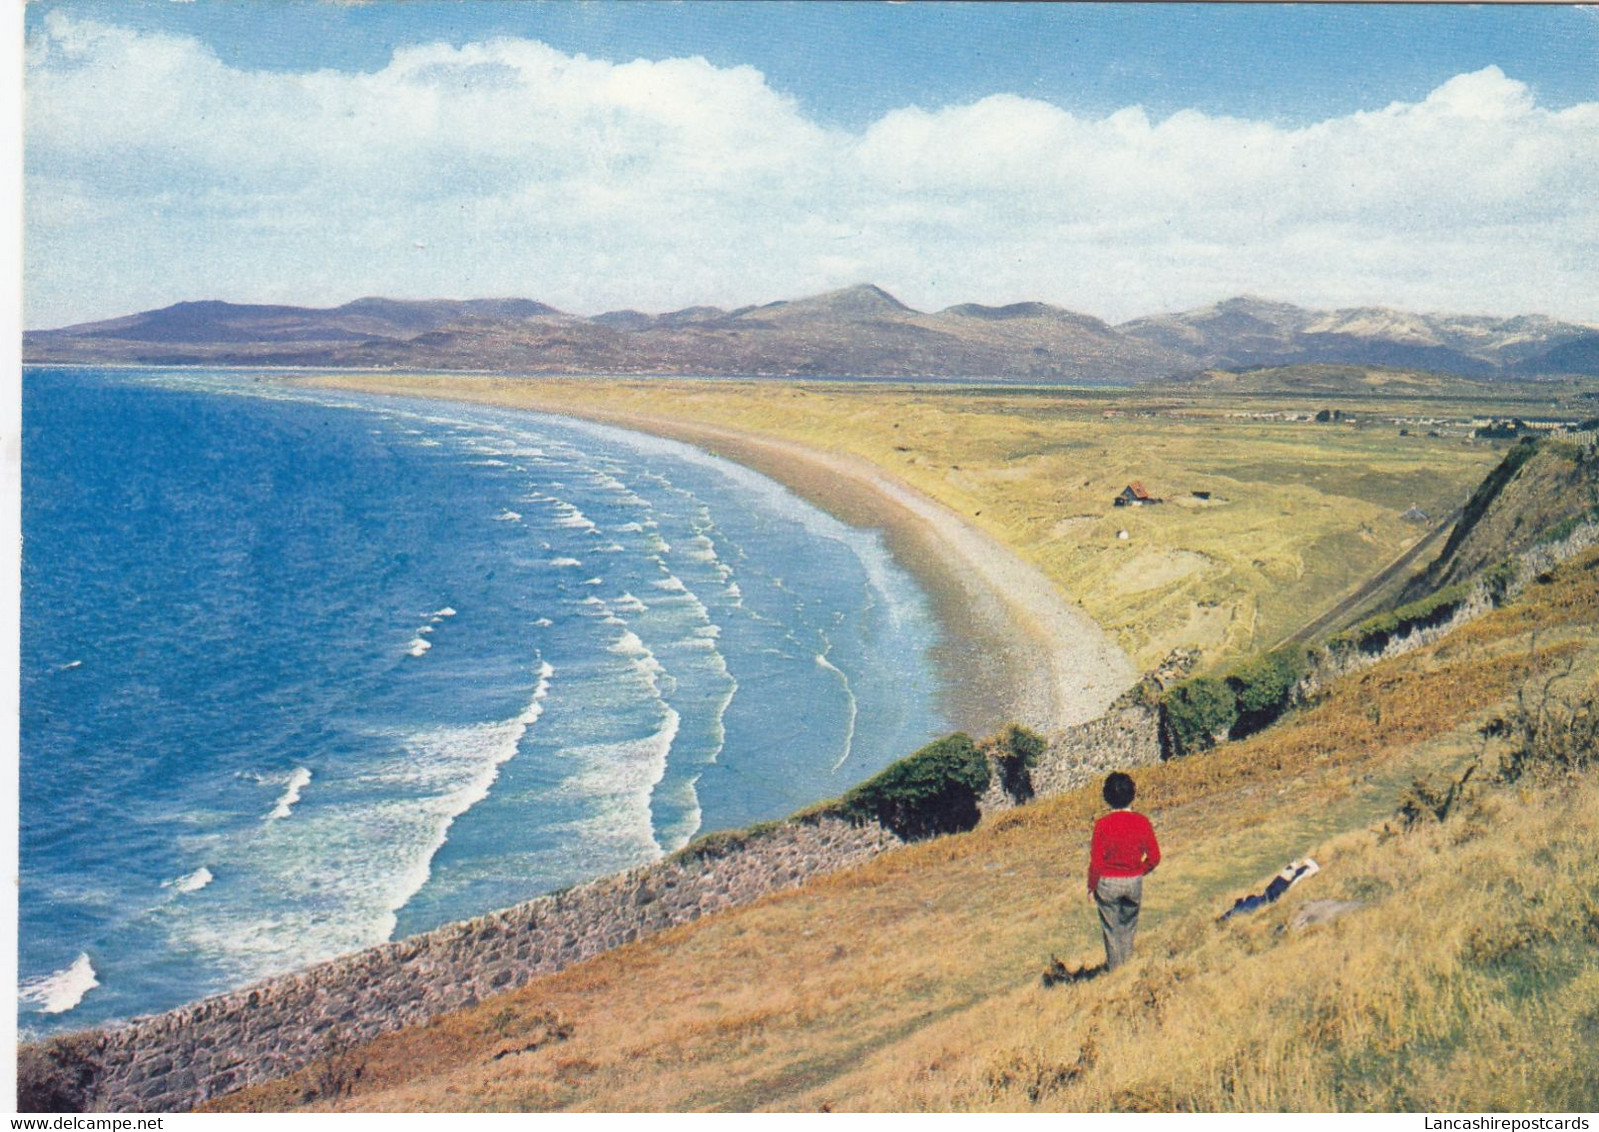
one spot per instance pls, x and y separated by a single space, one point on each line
1123 850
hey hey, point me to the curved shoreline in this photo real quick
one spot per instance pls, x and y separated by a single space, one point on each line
1015 648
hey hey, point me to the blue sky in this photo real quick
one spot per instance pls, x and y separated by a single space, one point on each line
1117 159
847 63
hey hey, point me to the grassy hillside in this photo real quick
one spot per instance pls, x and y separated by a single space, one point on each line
1465 979
1299 514
1538 491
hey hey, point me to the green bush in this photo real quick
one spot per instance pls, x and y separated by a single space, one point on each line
1017 742
1197 712
1499 578
1424 613
1261 688
932 791
1015 751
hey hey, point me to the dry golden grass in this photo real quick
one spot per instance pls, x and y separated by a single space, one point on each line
1301 514
1468 979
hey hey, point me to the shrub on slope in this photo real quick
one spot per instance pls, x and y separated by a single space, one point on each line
932 791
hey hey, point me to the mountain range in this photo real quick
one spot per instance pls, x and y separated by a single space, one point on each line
857 331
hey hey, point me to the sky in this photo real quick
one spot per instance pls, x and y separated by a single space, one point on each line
1113 159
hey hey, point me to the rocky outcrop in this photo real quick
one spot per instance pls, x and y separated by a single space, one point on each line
177 1060
1328 665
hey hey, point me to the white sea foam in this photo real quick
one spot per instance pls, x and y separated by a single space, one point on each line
60 991
544 622
631 528
671 583
71 664
570 517
627 603
193 882
508 516
614 783
608 482
594 581
764 494
457 766
298 781
565 562
849 699
592 600
445 612
419 645
698 549
628 644
343 872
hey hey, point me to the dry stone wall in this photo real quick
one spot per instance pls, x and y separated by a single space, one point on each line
177 1060
1126 737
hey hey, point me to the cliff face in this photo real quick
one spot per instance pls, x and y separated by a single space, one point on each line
1538 488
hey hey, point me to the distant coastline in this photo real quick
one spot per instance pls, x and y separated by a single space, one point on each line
1016 649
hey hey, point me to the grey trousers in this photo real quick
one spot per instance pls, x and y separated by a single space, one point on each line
1118 899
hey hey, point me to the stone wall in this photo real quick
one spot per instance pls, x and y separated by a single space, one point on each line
1127 736
177 1060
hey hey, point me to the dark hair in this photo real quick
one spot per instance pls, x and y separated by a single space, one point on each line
1119 791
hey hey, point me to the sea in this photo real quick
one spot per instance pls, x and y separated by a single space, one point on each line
303 671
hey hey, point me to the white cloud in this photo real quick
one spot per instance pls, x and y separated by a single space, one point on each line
156 172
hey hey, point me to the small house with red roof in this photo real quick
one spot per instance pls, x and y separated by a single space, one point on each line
1134 495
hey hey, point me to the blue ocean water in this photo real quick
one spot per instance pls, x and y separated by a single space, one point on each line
304 671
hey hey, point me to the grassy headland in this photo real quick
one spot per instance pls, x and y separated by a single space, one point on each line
1463 977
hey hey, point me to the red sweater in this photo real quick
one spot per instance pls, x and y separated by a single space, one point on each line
1124 846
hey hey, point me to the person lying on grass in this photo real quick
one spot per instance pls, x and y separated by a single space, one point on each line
1123 851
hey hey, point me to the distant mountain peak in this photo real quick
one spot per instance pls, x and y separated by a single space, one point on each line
1257 305
861 329
1004 313
861 299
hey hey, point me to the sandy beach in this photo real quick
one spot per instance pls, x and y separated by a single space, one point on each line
1016 648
